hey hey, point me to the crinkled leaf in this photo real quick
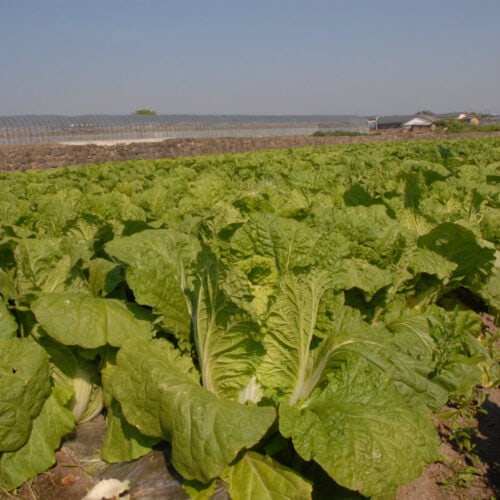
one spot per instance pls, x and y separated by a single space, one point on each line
160 397
490 225
37 454
123 442
489 288
373 236
207 433
223 220
258 476
104 276
361 432
253 298
8 324
90 322
287 241
416 223
7 284
226 340
459 245
24 387
348 335
291 328
387 352
137 385
157 263
296 362
49 265
357 273
424 260
444 342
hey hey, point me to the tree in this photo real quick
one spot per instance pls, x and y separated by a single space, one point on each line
144 112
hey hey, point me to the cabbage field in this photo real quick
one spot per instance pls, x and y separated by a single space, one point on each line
283 319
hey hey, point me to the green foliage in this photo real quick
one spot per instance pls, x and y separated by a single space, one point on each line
454 125
459 422
182 411
52 423
25 385
270 314
144 112
262 477
462 476
337 133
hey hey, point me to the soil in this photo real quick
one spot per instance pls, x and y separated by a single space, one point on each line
470 464
38 156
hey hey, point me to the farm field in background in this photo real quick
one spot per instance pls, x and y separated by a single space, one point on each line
287 320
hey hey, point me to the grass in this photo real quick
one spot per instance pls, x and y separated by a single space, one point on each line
337 133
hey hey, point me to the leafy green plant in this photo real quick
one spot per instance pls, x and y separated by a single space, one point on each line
462 476
271 315
460 430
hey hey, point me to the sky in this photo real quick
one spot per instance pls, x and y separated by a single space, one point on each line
274 57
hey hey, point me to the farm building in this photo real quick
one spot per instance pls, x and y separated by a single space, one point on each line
387 122
421 121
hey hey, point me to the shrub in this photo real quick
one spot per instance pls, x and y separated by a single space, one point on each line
144 112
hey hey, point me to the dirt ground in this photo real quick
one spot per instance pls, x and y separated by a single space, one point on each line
470 464
37 156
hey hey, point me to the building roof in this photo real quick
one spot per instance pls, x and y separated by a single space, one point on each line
442 116
386 120
419 121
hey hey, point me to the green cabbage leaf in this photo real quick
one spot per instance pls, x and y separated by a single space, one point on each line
160 394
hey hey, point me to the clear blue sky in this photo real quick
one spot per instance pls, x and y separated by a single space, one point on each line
249 57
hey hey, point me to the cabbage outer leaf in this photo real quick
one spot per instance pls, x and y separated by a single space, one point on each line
160 395
37 454
24 387
123 442
289 242
258 476
349 403
158 263
90 322
362 432
8 325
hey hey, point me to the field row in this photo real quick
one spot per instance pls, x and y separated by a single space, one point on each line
287 320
